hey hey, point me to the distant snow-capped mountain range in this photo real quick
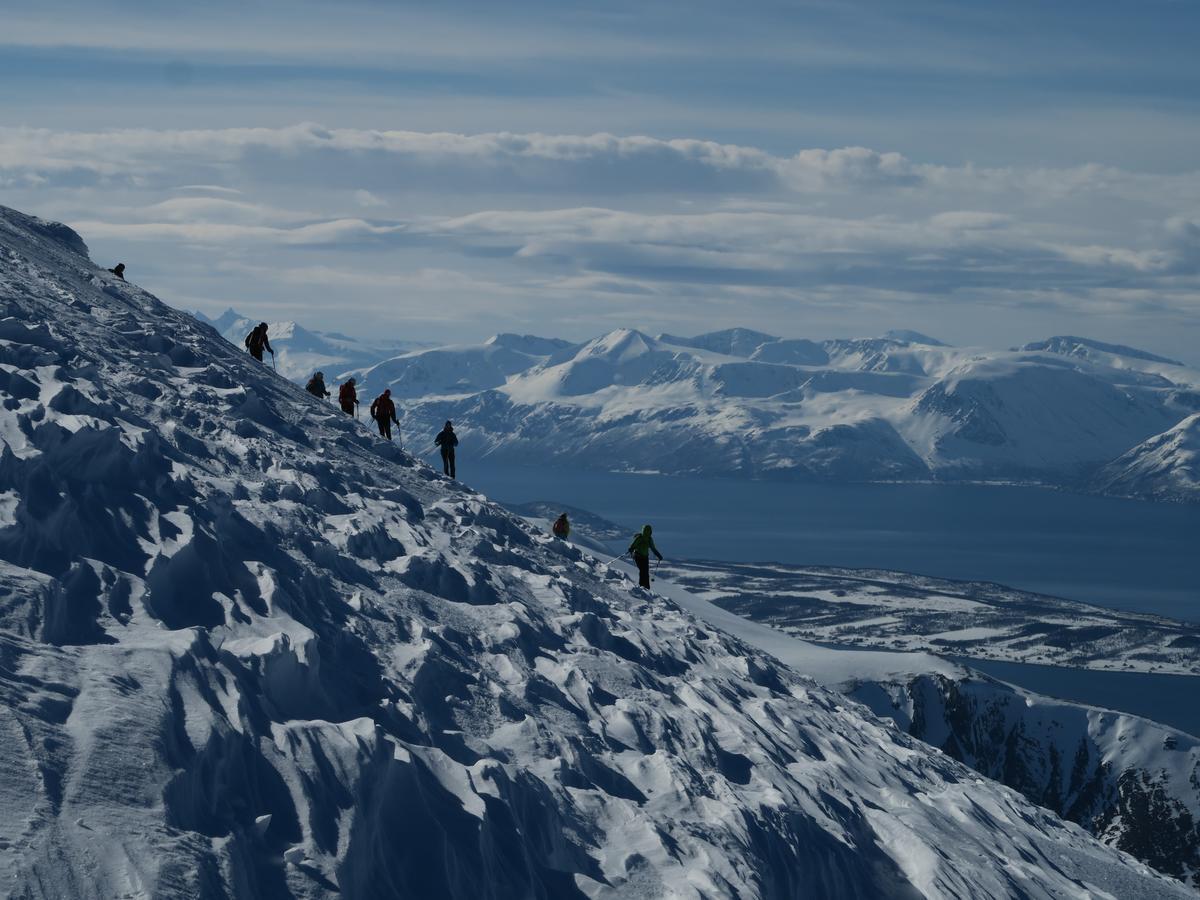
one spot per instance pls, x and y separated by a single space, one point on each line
1067 411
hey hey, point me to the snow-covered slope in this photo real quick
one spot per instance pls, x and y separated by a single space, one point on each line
1167 466
300 352
744 403
250 651
1096 351
1132 782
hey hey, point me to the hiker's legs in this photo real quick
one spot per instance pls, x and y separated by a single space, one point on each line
257 354
385 428
643 564
448 461
348 408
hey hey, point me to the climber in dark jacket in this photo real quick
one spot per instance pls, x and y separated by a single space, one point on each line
641 548
383 411
256 341
316 386
348 398
447 440
119 270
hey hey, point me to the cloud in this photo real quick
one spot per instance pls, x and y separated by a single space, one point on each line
332 232
522 221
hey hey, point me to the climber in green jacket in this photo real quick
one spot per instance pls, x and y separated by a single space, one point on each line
641 548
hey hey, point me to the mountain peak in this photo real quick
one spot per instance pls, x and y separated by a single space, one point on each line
1069 345
730 341
908 336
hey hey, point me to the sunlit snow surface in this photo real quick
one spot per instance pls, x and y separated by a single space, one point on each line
249 650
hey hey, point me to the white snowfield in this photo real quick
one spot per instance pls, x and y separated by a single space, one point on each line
1131 781
742 403
250 651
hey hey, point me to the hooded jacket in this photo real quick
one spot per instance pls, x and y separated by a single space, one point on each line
643 543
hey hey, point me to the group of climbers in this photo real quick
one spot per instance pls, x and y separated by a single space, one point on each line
383 411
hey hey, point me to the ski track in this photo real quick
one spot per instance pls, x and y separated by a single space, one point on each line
248 650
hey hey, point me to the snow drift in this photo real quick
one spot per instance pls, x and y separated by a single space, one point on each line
250 651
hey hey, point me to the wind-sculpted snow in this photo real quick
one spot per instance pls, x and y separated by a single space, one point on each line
1133 782
251 651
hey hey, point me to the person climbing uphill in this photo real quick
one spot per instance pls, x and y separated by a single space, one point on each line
256 341
641 548
316 386
119 270
561 527
383 411
447 440
348 397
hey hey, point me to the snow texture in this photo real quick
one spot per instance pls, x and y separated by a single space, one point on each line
1133 782
223 602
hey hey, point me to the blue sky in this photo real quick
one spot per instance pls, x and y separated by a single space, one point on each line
988 173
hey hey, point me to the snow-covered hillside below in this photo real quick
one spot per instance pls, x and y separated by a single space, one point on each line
300 352
1133 782
1166 466
251 651
744 403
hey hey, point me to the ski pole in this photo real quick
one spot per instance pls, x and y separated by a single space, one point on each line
615 558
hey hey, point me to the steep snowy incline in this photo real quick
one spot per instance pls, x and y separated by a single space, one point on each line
1165 467
1132 782
250 651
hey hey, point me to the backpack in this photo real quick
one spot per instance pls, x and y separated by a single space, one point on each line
561 528
254 339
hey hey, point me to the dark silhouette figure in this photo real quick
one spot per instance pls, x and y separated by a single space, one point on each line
447 440
383 411
561 527
256 341
641 548
316 386
119 270
348 397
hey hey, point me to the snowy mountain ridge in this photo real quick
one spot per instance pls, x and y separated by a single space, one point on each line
743 403
252 651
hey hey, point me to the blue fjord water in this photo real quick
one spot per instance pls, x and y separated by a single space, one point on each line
1127 554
